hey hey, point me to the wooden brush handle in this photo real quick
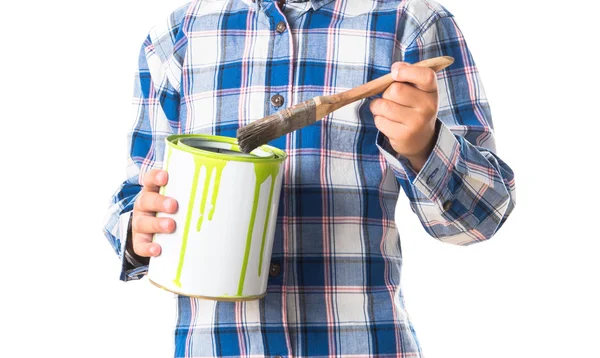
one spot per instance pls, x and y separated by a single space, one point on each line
378 85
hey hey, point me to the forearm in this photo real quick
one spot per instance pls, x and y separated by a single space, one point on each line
462 194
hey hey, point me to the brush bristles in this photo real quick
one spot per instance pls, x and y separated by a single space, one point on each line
276 125
260 132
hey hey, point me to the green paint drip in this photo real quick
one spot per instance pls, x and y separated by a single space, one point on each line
213 201
274 171
188 220
262 171
203 202
210 165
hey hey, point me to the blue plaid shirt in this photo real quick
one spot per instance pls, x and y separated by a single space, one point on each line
334 289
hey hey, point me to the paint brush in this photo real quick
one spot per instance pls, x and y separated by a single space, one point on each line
303 114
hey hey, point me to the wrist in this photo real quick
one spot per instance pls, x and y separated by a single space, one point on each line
417 161
129 247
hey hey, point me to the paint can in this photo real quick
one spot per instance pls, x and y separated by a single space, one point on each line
225 223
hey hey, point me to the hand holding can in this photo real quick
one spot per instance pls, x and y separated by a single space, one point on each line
145 223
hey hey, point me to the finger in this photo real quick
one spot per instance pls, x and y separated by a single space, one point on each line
406 94
143 245
151 202
423 78
391 129
154 179
151 224
392 111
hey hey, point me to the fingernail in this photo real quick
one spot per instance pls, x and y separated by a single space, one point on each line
165 224
396 68
153 250
167 204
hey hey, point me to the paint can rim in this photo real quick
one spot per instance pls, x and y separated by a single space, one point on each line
277 156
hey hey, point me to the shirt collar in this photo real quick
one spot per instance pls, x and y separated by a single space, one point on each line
316 4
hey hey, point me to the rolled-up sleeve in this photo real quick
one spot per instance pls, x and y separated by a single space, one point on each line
464 192
156 115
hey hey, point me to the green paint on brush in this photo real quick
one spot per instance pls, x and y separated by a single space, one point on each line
188 220
263 171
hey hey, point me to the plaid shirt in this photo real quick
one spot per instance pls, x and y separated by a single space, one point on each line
214 66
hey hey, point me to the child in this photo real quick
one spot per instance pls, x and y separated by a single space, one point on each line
333 290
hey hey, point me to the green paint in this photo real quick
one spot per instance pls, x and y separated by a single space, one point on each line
278 154
204 193
249 239
210 165
213 201
272 171
264 168
263 171
188 220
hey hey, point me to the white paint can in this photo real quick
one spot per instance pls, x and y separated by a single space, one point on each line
225 224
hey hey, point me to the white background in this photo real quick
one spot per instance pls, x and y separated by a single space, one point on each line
67 73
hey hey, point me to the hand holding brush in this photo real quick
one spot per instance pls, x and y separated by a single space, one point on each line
408 88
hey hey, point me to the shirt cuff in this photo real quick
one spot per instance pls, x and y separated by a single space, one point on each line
437 180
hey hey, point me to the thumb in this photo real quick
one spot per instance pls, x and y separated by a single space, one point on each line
396 66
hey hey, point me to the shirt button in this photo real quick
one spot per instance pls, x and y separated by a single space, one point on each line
447 205
277 357
274 270
280 27
277 100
